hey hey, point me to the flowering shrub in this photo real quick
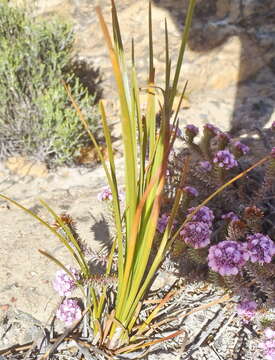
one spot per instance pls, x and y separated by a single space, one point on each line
232 236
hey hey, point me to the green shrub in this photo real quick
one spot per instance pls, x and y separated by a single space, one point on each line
36 118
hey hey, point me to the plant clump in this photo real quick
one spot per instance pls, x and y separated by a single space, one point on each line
232 238
36 117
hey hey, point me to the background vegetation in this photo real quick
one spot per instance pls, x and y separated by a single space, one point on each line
36 118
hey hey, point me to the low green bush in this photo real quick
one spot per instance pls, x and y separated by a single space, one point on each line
36 118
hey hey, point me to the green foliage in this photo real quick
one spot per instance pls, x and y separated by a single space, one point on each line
36 117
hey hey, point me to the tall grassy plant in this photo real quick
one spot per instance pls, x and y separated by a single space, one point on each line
146 151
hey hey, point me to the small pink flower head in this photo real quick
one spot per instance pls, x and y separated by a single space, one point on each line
272 152
191 131
231 216
191 191
205 165
261 248
196 234
204 214
210 130
240 148
268 345
63 283
225 159
227 257
162 223
105 194
223 139
69 311
247 310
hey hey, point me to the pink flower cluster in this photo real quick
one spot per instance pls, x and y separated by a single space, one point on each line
227 257
225 159
247 310
69 311
261 248
105 194
268 345
204 214
63 283
241 148
197 232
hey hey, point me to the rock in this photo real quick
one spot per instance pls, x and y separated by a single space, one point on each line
24 167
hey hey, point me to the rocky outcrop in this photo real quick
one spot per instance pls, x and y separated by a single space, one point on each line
230 41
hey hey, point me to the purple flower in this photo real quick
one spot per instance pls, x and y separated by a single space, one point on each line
261 248
191 191
204 214
211 130
231 216
105 194
69 311
227 257
206 165
162 223
225 159
247 310
191 130
64 283
241 148
196 234
268 345
223 139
